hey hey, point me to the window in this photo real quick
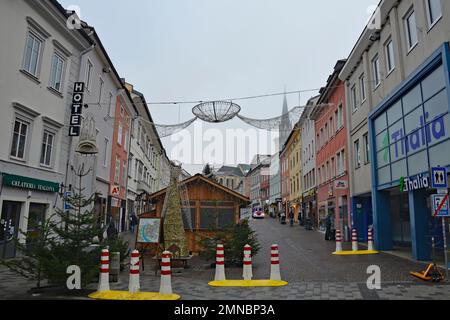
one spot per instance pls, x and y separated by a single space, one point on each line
19 141
338 164
124 174
56 73
331 127
333 168
110 103
125 143
117 171
434 11
354 102
32 54
362 88
411 29
105 152
47 148
357 151
376 71
119 134
326 132
390 59
100 91
89 68
366 148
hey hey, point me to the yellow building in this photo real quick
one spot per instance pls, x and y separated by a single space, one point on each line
293 148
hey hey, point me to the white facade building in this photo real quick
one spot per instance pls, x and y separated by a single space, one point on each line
39 64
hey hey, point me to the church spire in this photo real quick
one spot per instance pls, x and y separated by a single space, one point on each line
285 125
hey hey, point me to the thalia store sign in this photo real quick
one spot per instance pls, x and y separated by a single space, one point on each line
414 183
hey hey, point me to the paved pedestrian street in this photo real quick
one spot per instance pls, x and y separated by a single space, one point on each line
306 263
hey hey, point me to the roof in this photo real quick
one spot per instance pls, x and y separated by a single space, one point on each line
228 170
200 177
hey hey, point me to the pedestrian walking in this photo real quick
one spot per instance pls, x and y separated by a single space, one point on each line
291 217
133 222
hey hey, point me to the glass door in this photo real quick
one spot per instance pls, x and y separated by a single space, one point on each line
9 225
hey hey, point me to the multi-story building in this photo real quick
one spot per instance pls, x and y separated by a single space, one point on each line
258 180
275 185
307 128
145 156
285 181
293 156
232 177
331 154
39 63
397 81
102 84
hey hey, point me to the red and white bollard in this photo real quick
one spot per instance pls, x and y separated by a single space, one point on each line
220 263
166 274
274 263
338 241
354 240
247 272
134 284
103 283
370 246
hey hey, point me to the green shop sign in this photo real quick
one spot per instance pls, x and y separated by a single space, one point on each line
14 181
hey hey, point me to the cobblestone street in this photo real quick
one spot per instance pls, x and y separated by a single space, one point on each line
306 263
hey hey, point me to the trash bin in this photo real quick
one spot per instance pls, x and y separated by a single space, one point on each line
114 266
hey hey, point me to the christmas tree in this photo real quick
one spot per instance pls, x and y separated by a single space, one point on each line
174 233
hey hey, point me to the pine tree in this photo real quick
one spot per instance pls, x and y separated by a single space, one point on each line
33 252
74 233
233 239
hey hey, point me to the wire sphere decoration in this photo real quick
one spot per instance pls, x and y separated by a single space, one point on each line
216 111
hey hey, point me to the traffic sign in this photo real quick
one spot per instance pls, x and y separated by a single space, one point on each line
439 178
67 206
440 205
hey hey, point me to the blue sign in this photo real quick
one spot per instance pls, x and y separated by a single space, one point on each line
66 204
440 205
439 178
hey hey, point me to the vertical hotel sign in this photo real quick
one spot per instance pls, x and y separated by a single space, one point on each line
77 106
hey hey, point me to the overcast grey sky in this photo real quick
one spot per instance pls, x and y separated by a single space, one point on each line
212 49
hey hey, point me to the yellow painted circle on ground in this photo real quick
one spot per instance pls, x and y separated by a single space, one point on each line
125 295
355 253
247 283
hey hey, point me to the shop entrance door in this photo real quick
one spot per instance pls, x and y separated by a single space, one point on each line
9 225
401 225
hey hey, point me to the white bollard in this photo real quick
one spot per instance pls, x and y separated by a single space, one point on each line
103 283
354 240
134 283
370 246
247 272
166 274
274 264
220 263
338 241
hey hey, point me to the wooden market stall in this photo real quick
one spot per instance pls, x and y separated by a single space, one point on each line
211 206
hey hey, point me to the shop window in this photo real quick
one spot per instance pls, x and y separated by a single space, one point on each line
437 131
418 163
412 99
383 157
384 175
380 123
394 113
399 170
382 140
398 150
436 106
433 83
413 120
225 218
439 154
